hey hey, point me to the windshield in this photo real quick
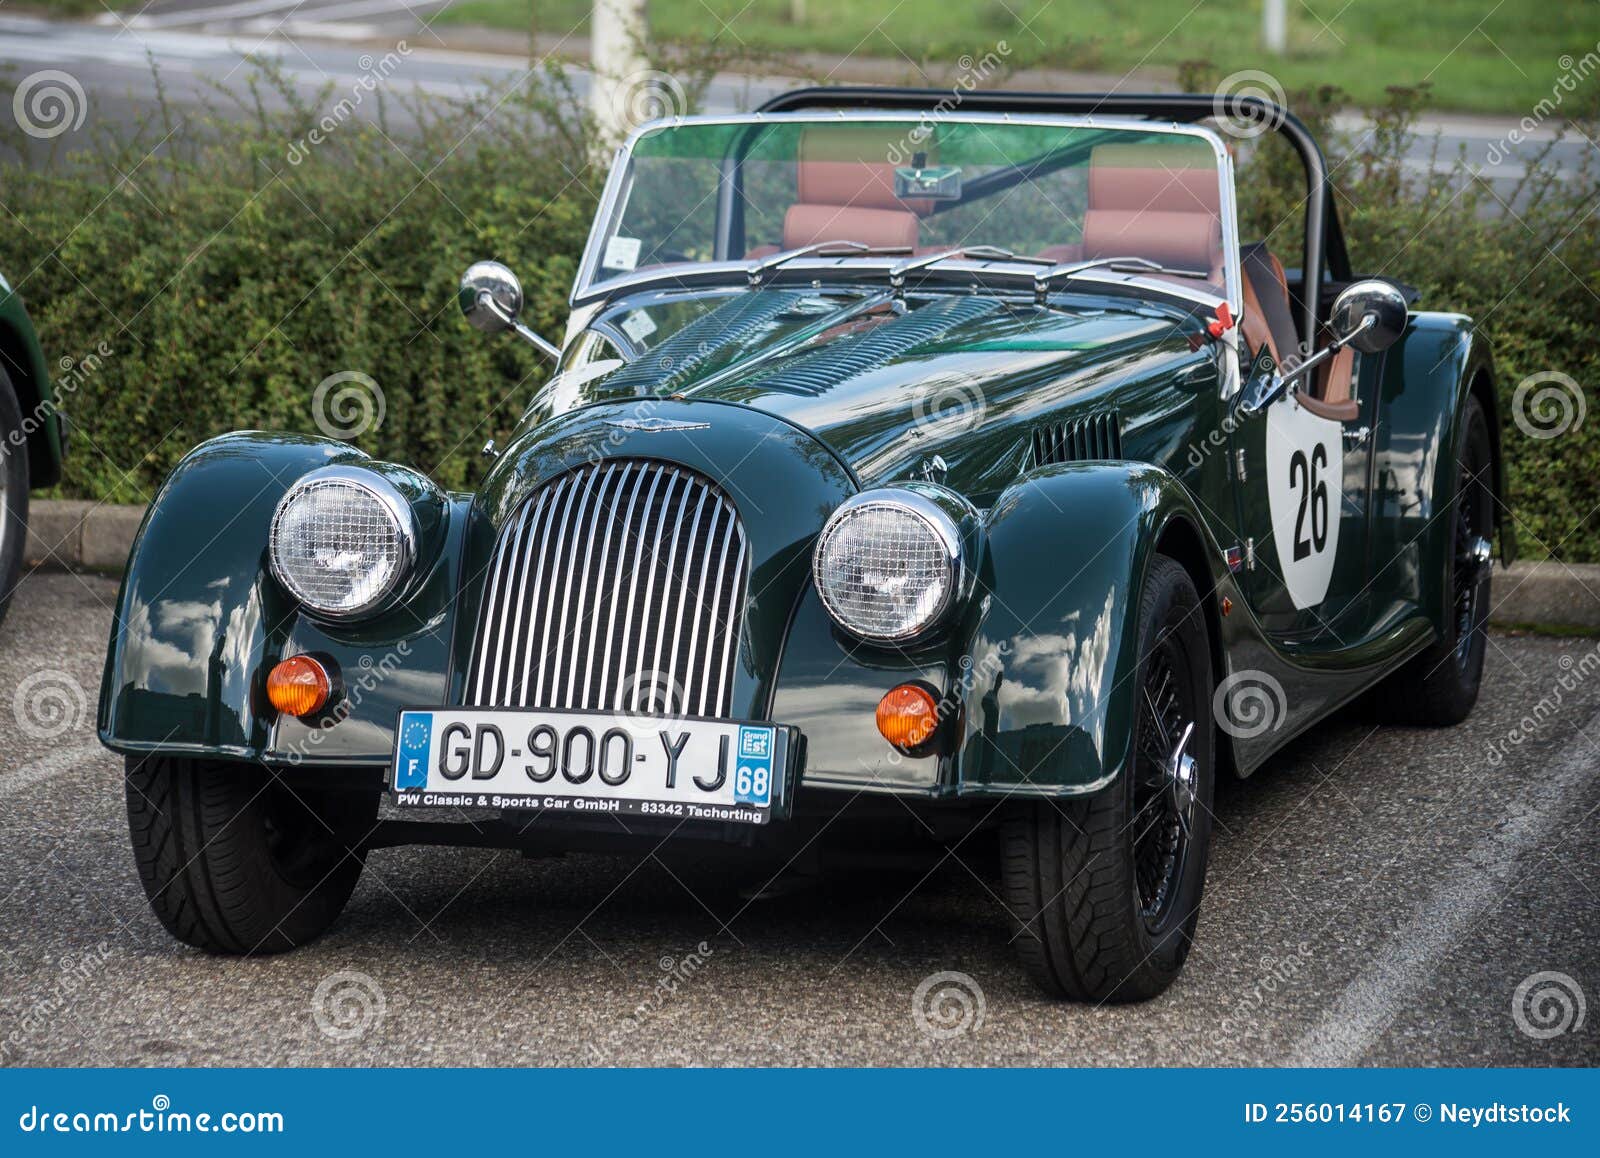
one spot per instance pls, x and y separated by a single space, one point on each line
737 190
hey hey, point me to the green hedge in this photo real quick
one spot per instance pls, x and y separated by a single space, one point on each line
227 281
222 281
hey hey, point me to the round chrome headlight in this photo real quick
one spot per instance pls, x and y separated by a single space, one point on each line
342 539
888 564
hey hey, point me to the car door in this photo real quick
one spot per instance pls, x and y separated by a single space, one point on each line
1303 486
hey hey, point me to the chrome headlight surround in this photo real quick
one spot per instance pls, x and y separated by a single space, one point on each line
932 525
393 549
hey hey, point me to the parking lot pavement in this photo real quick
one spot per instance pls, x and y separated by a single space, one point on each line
1376 895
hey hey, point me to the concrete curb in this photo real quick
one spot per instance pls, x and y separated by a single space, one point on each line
65 533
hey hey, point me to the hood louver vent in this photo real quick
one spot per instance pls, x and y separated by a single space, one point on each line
819 370
682 357
1091 437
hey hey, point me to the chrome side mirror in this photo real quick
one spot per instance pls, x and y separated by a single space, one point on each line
1368 316
490 297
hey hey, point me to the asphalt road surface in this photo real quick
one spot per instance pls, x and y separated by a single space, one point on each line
1376 896
199 43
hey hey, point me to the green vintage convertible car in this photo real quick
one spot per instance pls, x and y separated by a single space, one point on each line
908 473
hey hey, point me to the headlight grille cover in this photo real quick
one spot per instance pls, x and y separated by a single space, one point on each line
339 544
884 570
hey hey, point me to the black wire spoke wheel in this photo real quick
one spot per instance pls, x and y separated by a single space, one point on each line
1164 785
1473 559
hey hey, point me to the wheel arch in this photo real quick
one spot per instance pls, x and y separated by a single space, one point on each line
30 378
1182 541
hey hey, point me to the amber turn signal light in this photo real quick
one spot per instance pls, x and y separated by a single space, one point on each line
299 686
907 715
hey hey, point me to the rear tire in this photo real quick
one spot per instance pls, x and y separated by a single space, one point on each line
234 861
1099 912
1440 686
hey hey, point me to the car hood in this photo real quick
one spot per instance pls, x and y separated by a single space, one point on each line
884 383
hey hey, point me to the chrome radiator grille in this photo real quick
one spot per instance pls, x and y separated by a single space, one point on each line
618 586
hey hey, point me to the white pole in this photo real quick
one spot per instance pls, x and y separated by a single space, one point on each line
616 41
1275 26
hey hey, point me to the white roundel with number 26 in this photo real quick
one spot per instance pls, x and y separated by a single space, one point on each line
1305 471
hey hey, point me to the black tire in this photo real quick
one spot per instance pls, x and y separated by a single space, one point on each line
235 861
1440 686
14 502
1075 872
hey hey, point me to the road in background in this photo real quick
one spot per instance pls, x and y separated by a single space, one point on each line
335 42
1376 896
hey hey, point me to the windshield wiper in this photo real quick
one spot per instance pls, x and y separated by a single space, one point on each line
1043 279
758 269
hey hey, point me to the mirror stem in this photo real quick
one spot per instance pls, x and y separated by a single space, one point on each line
545 347
1258 400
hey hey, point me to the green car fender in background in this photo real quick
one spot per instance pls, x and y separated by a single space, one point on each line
32 434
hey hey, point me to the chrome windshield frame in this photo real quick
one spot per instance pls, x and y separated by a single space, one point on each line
619 184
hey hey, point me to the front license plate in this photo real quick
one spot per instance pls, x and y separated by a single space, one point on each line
592 762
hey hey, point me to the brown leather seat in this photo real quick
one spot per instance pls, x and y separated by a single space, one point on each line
846 192
1268 320
1158 202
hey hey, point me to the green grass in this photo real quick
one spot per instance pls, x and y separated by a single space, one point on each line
1474 55
68 7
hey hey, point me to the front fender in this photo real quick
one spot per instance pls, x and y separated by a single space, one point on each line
1053 691
199 618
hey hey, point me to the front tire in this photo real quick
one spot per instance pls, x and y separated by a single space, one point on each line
235 861
1105 890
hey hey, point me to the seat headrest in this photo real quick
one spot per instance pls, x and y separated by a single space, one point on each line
850 166
1169 178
